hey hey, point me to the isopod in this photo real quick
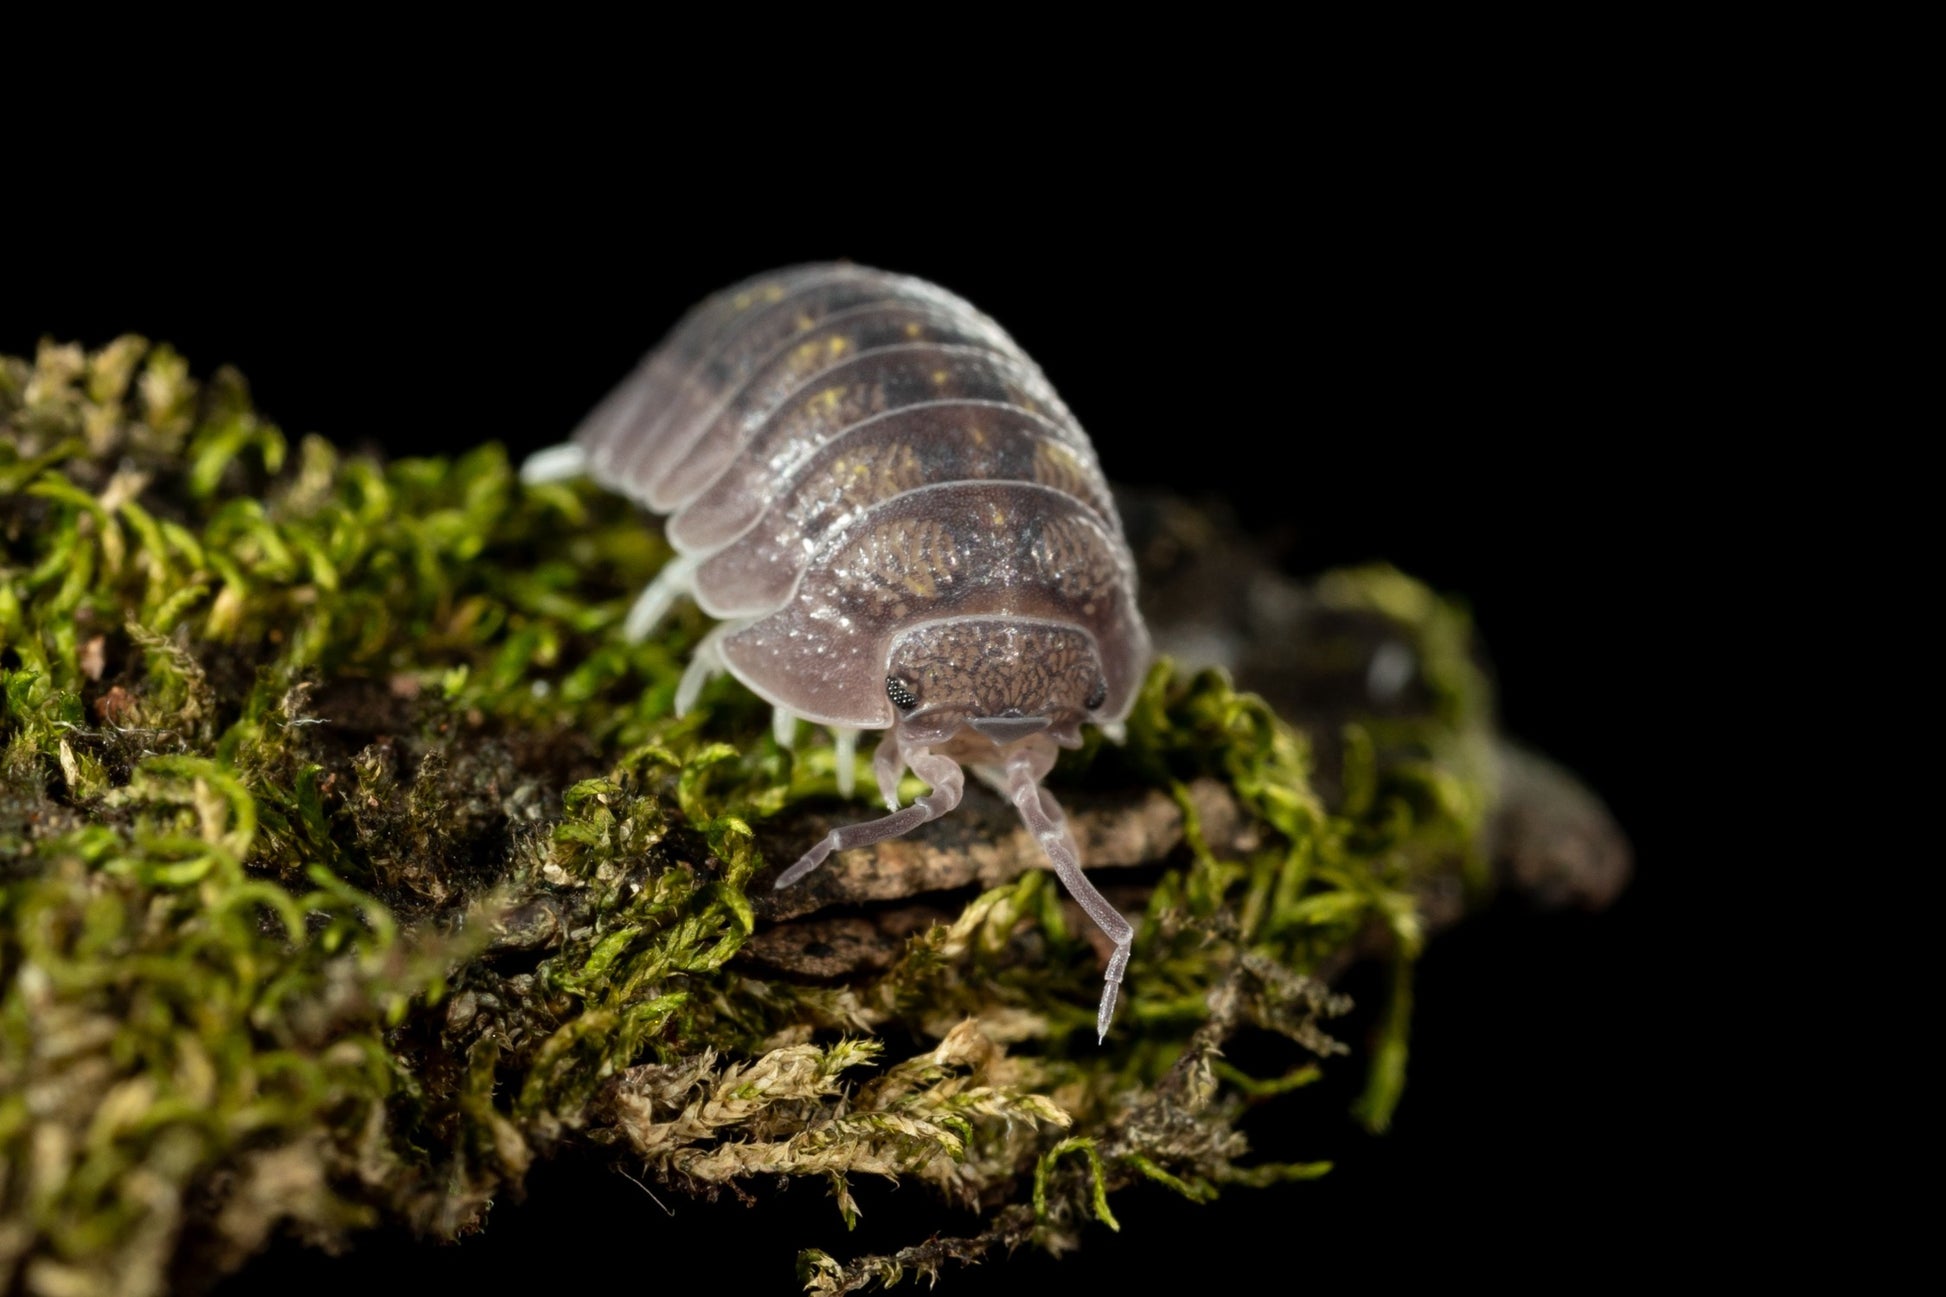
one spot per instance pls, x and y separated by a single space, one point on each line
901 528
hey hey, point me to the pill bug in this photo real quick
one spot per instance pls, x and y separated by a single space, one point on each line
901 527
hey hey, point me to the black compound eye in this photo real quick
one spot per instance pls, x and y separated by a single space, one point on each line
1097 696
900 693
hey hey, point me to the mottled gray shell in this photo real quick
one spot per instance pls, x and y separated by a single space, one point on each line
846 453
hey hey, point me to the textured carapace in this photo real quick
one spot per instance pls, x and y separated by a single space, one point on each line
903 529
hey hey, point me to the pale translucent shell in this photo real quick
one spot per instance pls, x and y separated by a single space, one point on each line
847 453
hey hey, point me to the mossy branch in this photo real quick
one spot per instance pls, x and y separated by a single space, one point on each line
350 860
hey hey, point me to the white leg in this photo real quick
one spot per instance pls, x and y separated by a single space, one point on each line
783 726
653 604
888 763
845 741
555 464
705 664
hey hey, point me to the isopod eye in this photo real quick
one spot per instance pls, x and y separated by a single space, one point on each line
900 693
1097 696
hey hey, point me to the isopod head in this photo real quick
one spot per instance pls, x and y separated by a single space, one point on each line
992 681
1001 695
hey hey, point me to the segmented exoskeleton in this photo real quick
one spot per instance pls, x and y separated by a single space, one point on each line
902 528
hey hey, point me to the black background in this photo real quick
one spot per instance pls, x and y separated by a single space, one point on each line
1471 371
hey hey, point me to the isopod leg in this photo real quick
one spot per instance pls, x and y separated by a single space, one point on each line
887 765
554 464
705 664
673 582
1043 817
845 740
947 781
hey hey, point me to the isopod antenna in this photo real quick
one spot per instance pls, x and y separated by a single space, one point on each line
947 780
1043 817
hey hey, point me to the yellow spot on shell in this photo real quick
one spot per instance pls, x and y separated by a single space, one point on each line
939 376
761 293
828 399
912 329
1056 465
837 346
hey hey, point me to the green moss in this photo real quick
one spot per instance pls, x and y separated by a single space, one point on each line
349 860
